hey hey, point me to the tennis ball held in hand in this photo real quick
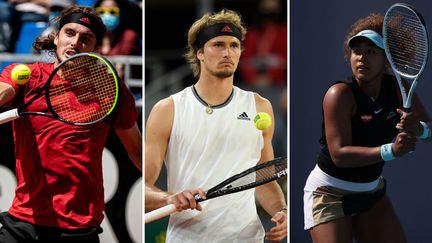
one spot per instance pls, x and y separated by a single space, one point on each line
20 74
262 121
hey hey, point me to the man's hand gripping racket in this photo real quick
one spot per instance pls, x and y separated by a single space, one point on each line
81 90
250 178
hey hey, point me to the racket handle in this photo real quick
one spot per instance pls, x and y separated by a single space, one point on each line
9 116
159 213
407 110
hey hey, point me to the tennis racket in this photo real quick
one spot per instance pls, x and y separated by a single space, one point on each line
406 46
250 178
81 90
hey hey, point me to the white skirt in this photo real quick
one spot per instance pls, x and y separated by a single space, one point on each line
324 197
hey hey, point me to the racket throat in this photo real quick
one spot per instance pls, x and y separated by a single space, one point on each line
407 109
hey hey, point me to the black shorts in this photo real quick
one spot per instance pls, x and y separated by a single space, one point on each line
17 231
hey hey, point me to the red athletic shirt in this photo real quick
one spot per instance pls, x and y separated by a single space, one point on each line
59 166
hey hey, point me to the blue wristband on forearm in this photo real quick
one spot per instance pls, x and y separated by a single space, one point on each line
386 152
426 131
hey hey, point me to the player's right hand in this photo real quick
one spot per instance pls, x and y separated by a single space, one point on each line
404 143
409 122
186 199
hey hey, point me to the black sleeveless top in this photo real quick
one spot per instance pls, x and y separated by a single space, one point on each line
373 124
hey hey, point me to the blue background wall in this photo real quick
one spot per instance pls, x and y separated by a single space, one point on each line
317 32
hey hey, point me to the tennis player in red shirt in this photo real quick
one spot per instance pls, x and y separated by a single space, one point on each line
59 195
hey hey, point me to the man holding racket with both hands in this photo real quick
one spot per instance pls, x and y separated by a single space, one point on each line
204 135
364 127
59 197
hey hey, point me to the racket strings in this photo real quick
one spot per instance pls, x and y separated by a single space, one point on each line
258 177
406 39
86 91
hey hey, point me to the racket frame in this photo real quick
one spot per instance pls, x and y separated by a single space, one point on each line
406 98
18 112
47 86
219 189
214 192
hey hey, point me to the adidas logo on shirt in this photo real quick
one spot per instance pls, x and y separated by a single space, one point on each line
243 116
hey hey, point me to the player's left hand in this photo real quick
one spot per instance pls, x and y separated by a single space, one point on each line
278 232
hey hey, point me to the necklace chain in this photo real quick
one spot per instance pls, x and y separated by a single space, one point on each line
209 107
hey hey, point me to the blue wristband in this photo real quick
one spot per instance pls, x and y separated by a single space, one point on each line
386 152
426 131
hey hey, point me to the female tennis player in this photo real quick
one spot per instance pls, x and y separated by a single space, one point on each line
363 128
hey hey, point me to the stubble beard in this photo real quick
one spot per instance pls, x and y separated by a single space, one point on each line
223 73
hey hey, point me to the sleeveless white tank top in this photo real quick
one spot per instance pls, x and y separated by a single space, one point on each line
205 149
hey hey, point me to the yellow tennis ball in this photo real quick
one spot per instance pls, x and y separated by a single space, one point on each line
20 74
262 121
